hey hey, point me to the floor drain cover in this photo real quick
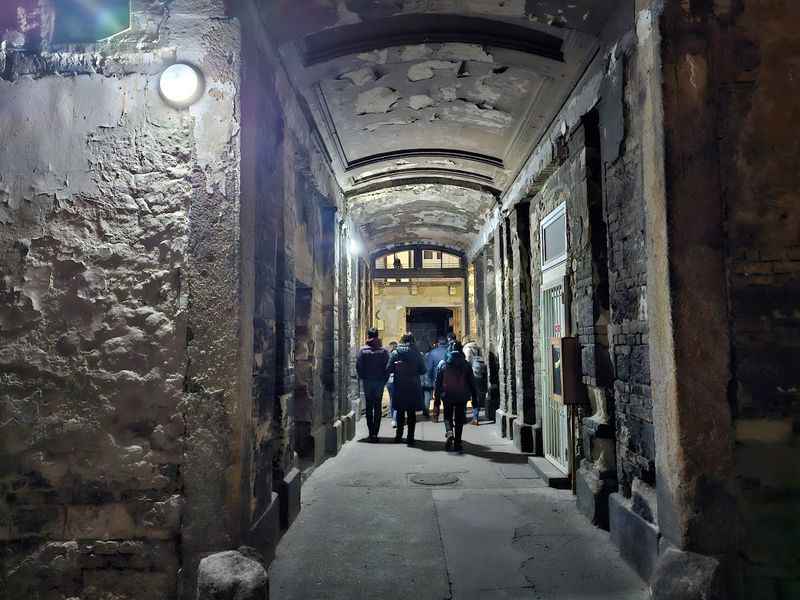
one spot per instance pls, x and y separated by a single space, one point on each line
434 478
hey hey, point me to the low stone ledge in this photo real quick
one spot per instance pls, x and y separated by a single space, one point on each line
349 422
500 422
636 538
593 489
289 493
230 575
687 576
524 437
320 435
549 473
265 533
333 442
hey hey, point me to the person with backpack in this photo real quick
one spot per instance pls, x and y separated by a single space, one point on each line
371 369
472 353
432 361
455 384
407 365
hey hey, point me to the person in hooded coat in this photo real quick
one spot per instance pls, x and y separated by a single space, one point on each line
371 369
455 384
407 364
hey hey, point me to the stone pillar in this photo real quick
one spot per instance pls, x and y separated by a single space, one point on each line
527 437
508 328
686 285
501 340
327 367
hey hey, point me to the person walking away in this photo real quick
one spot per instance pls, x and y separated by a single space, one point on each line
455 384
472 353
406 364
432 361
371 369
390 389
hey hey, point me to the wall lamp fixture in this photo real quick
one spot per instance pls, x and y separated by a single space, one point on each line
354 247
181 85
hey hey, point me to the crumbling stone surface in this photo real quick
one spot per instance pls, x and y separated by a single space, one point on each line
231 576
688 576
110 265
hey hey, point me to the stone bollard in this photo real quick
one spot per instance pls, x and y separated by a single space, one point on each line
231 576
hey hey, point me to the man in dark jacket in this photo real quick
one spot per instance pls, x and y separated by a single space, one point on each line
371 369
407 364
455 384
432 361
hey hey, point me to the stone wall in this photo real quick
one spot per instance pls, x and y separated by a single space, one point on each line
121 289
292 198
756 52
627 328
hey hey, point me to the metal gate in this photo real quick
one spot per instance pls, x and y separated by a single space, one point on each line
555 422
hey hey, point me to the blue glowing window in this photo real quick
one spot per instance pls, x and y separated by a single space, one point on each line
86 21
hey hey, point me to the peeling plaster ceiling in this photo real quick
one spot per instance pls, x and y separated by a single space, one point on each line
428 110
437 213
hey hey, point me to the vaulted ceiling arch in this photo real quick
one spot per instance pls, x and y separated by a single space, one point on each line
428 115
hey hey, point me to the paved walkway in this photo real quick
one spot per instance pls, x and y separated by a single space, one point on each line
367 530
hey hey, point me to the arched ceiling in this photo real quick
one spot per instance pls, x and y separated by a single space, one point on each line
429 109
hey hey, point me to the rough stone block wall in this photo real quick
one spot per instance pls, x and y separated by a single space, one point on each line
520 239
117 418
627 331
292 198
759 168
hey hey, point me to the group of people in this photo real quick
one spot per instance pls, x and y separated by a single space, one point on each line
445 373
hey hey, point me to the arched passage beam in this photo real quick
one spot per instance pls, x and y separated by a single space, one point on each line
403 30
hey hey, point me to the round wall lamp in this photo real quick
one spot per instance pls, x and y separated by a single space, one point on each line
180 85
354 247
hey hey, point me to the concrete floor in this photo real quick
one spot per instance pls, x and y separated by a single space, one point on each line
367 531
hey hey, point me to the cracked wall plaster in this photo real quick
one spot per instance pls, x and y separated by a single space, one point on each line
119 244
376 100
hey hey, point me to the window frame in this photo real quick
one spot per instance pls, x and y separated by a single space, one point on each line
552 216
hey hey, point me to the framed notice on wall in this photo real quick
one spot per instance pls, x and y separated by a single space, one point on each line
565 371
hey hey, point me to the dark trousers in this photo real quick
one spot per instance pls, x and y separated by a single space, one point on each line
454 414
373 394
403 415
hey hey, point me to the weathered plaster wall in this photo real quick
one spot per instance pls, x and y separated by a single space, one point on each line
121 290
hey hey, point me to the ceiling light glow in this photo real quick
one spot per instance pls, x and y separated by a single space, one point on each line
180 85
354 247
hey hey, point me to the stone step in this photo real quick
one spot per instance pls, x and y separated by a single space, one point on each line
549 473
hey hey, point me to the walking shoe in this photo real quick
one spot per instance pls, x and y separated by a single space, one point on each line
410 442
448 443
475 422
397 439
458 447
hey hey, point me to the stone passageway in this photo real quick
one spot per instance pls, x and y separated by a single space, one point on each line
205 205
367 530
